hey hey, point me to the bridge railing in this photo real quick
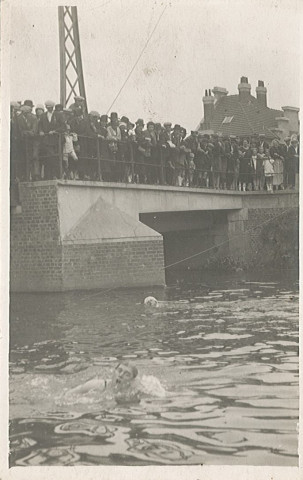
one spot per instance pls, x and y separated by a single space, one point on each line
98 159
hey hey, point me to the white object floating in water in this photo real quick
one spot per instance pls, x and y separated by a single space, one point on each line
151 385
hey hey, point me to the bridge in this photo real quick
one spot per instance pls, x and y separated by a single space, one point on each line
83 235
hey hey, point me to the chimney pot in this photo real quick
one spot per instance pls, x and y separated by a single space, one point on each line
206 94
260 83
209 92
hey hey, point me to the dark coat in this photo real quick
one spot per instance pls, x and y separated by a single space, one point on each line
57 123
293 158
27 125
191 142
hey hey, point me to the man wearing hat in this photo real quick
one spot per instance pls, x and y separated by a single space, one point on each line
39 110
166 145
179 156
139 129
143 159
15 141
113 129
29 103
284 152
217 153
68 115
233 163
152 169
262 142
114 133
203 163
92 130
79 104
28 128
51 123
293 156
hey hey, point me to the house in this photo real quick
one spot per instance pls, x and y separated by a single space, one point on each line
246 115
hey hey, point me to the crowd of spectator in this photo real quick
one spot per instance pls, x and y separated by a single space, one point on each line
49 141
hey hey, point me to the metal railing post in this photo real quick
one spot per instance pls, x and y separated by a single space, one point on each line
131 148
162 175
27 160
98 160
60 155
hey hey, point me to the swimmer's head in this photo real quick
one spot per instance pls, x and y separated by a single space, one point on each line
151 302
124 374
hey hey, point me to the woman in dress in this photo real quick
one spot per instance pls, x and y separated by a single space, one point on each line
246 169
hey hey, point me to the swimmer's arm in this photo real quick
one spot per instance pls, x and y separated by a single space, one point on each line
93 384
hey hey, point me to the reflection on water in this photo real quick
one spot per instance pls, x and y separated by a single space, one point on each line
226 353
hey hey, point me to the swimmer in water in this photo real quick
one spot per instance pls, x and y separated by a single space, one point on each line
124 384
152 303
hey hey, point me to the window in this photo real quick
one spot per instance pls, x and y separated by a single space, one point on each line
227 119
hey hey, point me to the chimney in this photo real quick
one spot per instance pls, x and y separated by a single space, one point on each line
208 103
219 92
261 92
244 89
292 113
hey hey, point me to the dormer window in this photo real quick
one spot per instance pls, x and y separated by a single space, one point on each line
228 119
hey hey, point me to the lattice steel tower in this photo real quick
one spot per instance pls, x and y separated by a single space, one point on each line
71 71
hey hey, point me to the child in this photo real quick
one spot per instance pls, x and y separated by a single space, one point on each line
268 170
69 155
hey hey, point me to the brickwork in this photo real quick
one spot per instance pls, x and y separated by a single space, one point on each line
35 251
265 227
258 218
113 264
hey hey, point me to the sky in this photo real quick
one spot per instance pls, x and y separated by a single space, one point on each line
197 44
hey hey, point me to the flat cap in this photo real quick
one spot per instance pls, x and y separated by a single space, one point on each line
49 103
94 113
78 97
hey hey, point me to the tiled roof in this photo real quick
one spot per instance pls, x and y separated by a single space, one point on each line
248 118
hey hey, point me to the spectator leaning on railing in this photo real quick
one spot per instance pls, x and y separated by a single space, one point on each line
58 142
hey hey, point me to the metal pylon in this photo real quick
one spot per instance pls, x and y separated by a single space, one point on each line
71 71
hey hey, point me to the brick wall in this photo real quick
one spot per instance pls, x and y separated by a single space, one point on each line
113 264
35 251
272 233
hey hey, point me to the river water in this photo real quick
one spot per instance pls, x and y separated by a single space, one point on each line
224 349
